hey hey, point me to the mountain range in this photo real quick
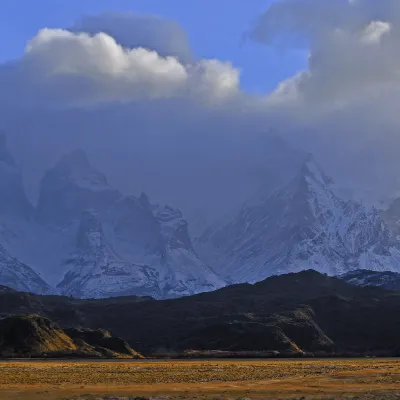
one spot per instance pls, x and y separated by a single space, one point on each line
86 239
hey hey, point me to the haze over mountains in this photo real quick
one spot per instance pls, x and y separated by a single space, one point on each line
86 239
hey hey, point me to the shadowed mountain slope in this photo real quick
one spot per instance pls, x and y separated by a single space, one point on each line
291 314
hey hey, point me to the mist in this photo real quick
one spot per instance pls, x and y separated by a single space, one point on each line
155 118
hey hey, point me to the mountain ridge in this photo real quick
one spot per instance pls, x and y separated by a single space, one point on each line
289 315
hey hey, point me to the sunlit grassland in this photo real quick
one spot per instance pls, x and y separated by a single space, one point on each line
267 379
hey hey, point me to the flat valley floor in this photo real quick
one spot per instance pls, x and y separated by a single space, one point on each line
211 379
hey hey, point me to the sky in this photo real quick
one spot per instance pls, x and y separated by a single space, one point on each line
216 29
184 99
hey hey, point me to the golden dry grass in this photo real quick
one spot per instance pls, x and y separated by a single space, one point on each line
267 379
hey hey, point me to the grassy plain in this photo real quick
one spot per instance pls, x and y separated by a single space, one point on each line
256 379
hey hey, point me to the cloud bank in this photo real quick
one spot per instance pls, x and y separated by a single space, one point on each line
345 103
152 117
353 46
60 67
128 89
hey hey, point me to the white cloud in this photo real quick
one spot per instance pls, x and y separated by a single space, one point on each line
374 32
352 51
213 76
67 68
130 30
344 105
107 71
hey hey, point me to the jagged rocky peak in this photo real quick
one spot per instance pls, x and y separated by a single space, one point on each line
300 225
304 192
90 232
13 200
288 171
174 228
308 178
134 223
311 192
72 186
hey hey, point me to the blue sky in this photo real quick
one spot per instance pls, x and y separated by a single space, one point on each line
216 29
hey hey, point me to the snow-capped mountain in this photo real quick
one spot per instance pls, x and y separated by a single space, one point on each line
299 223
95 270
160 262
19 276
361 277
183 270
88 240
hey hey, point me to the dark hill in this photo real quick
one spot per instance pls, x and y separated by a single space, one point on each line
384 279
36 336
6 289
292 314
